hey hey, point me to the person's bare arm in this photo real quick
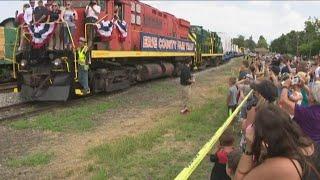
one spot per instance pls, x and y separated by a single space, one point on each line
33 18
228 98
241 81
274 168
48 18
284 100
75 15
87 10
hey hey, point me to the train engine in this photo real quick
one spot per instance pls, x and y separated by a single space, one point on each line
133 42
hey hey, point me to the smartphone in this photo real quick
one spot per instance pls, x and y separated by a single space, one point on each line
295 80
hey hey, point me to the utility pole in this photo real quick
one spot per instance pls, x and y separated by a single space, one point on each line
297 44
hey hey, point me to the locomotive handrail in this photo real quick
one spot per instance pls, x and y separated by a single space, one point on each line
70 35
86 24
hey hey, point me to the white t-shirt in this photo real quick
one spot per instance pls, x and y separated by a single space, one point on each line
27 17
317 72
91 13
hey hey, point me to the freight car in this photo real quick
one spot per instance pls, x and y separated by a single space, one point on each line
143 43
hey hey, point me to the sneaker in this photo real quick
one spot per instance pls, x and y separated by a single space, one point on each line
184 111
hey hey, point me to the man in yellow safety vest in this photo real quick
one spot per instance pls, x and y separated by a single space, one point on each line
83 65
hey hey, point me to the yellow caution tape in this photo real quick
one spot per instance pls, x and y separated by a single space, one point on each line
187 171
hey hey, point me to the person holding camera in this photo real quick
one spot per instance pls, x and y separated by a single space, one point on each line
92 13
306 116
296 95
20 22
70 17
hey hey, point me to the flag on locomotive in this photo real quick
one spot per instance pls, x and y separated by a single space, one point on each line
41 33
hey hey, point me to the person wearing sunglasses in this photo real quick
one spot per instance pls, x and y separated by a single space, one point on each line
55 17
70 17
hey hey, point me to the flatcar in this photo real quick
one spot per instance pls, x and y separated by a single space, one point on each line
143 43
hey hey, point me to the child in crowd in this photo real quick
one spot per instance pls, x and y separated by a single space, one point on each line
220 157
232 95
296 95
233 161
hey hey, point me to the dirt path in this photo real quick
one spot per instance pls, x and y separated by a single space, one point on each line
140 109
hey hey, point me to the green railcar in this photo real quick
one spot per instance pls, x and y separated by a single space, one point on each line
8 39
208 47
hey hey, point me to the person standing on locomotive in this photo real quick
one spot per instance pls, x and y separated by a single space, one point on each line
40 14
28 14
83 65
49 4
92 13
186 80
55 16
20 22
70 16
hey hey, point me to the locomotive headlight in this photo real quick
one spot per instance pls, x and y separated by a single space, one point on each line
23 63
57 62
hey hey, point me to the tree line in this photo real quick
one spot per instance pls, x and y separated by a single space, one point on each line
305 43
250 43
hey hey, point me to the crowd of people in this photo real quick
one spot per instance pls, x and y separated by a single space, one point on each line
279 123
65 17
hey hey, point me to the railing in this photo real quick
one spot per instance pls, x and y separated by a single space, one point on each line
91 24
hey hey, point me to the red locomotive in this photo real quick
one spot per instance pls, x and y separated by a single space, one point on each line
134 42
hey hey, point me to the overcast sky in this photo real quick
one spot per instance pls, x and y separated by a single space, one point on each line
269 18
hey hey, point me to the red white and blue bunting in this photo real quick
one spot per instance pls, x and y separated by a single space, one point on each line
122 27
104 29
41 33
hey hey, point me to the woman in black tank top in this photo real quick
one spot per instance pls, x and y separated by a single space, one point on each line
275 141
55 16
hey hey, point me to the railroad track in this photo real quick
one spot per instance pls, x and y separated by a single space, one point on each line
7 87
23 110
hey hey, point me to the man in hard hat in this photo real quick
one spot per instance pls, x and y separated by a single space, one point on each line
83 65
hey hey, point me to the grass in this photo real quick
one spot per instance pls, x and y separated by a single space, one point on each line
163 87
36 159
100 175
162 152
70 119
148 156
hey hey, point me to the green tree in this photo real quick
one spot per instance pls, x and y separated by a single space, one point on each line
239 41
262 42
249 43
306 42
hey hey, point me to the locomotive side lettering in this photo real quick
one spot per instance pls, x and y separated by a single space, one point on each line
152 42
